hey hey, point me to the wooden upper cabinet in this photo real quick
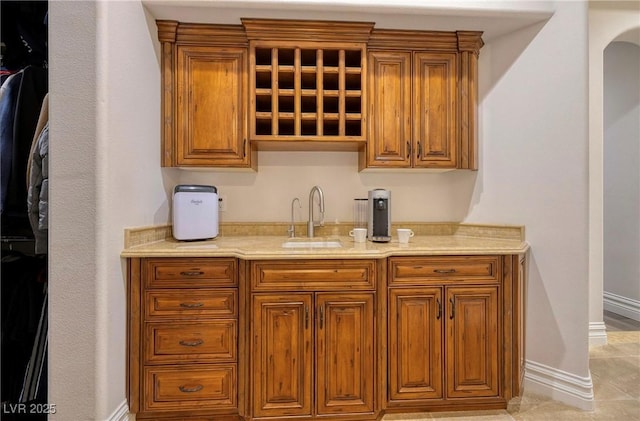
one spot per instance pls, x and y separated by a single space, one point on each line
402 99
204 95
422 100
210 120
307 82
390 101
434 110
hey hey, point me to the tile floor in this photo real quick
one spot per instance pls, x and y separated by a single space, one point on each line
615 371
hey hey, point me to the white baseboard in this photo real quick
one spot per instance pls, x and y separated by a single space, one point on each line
559 385
627 307
121 413
597 334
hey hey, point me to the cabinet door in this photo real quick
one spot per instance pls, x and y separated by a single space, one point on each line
211 106
415 343
434 119
345 347
390 121
473 347
281 355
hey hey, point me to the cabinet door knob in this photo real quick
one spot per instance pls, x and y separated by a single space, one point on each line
321 316
439 313
453 308
408 149
419 149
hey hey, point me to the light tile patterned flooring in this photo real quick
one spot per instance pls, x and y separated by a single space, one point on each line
615 371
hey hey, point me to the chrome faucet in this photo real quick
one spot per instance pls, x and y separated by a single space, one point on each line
292 227
311 222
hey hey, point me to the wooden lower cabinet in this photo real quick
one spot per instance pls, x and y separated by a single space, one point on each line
449 341
281 350
183 338
417 352
472 346
415 344
313 339
312 354
341 339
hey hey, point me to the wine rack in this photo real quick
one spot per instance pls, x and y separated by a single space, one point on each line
309 91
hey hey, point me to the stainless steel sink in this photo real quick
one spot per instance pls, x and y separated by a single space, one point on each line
311 243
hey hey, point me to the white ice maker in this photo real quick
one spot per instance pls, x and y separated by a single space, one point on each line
195 212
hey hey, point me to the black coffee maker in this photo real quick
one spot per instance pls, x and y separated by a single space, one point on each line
379 229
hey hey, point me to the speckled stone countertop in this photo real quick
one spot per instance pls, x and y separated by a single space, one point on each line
258 241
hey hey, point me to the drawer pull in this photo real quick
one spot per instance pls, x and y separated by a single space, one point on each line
191 305
197 342
192 273
185 389
444 270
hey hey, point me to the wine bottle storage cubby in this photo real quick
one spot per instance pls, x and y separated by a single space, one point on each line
311 93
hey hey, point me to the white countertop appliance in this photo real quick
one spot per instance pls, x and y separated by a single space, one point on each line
195 212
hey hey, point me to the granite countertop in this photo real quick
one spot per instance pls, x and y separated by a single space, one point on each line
430 239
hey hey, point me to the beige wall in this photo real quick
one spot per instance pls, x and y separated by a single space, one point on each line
105 177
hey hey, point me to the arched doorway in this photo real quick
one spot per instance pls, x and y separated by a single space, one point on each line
621 147
608 22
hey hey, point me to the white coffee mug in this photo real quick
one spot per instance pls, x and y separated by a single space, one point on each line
359 235
404 234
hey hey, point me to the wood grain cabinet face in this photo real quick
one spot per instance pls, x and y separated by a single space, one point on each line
390 101
282 352
211 110
183 337
204 95
415 338
473 346
445 339
401 98
288 330
345 350
313 352
412 100
434 110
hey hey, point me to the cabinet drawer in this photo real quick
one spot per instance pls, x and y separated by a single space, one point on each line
317 275
214 341
410 270
183 273
189 388
219 303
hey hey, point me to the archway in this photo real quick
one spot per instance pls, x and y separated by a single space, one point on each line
621 179
608 22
